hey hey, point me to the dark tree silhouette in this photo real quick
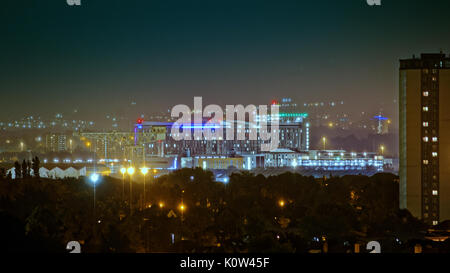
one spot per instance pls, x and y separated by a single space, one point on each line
25 172
283 213
35 166
28 168
2 173
17 170
9 176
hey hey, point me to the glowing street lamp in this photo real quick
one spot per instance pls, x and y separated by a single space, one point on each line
123 171
94 179
382 149
182 208
144 171
161 205
281 203
324 140
130 172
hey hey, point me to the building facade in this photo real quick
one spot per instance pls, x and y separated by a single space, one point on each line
425 137
56 143
292 135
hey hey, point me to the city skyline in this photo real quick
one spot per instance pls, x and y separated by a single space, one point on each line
141 52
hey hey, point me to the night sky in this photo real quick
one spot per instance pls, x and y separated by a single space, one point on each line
104 54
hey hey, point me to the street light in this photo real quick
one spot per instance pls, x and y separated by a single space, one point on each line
144 171
281 203
130 172
94 178
182 208
123 171
324 140
382 150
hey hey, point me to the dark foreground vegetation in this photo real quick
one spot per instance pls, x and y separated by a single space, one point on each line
187 212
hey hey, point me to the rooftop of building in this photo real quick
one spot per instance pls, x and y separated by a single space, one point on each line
427 60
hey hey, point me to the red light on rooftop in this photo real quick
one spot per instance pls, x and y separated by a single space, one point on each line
139 121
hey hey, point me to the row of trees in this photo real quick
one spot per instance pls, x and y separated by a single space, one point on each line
22 170
186 211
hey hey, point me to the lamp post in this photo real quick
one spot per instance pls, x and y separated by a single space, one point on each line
123 171
94 178
144 171
130 172
182 208
382 150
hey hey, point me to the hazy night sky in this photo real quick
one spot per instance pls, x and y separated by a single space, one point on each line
104 54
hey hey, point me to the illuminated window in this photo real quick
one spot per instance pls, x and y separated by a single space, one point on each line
435 223
425 162
425 94
425 108
435 192
425 139
435 154
425 124
435 139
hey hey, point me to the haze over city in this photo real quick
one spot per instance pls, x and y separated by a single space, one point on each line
162 53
